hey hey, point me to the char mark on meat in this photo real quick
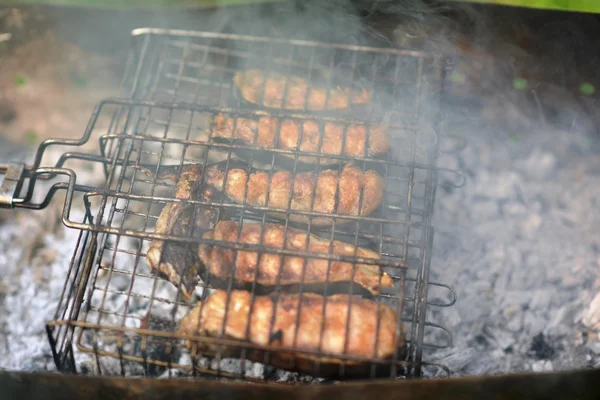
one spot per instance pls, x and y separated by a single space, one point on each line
270 269
335 326
328 192
299 94
175 261
324 138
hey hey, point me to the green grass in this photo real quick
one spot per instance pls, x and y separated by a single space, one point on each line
520 83
592 6
458 77
515 137
80 81
587 89
31 138
19 80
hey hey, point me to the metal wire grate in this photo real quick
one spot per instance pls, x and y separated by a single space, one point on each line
197 67
124 314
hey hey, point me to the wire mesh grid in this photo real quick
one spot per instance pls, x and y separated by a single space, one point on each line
197 67
125 313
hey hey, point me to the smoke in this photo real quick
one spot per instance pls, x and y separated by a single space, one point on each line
512 95
489 49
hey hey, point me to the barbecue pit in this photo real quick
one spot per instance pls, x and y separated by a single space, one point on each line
117 316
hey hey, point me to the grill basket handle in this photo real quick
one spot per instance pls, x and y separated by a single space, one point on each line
14 175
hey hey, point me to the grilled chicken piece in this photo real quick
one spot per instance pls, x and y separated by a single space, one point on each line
300 323
333 192
252 86
178 261
263 133
287 270
371 329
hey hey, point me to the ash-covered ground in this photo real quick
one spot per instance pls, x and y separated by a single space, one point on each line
521 245
34 257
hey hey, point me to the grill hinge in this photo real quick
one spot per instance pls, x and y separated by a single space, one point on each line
11 185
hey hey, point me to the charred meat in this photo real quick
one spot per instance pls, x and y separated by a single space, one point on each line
307 136
336 325
178 262
297 92
271 269
329 191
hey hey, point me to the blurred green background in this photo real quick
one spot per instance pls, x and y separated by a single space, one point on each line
565 5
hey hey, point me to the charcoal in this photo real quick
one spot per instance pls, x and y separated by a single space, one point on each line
486 209
515 324
166 351
534 322
541 299
542 366
539 165
452 315
482 340
231 365
459 360
531 225
8 112
171 373
481 366
500 280
505 187
540 348
594 347
591 317
514 208
475 313
501 338
522 271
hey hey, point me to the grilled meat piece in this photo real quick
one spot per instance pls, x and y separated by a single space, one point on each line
333 193
287 270
299 323
263 133
252 86
336 193
178 262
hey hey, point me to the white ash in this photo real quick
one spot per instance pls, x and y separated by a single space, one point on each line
33 275
521 245
591 317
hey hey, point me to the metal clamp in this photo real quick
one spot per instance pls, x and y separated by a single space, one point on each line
13 179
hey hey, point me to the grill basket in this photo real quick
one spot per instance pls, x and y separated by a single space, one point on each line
118 316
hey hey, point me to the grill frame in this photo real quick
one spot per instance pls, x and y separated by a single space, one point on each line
78 290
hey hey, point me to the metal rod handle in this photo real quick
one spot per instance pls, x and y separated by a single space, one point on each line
14 174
